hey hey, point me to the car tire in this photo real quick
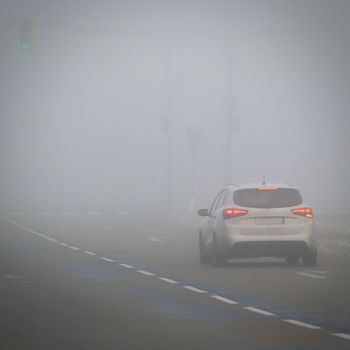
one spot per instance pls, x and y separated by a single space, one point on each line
310 258
292 260
203 258
218 259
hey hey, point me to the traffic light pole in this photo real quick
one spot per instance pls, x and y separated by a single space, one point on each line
168 120
227 132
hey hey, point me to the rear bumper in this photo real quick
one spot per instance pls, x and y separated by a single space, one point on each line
238 245
278 249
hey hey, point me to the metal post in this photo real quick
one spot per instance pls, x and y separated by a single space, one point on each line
193 137
169 129
169 179
227 160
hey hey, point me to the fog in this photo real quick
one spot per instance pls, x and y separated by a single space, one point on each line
116 100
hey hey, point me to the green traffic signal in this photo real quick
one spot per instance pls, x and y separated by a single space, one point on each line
25 45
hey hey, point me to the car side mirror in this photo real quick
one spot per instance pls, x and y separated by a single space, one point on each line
203 212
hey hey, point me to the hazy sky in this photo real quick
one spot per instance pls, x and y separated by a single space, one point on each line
81 113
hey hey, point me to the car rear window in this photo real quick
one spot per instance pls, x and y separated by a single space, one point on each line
277 198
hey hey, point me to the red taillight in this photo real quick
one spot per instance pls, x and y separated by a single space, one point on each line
234 213
307 212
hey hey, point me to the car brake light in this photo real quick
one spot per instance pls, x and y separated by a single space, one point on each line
307 212
233 213
267 188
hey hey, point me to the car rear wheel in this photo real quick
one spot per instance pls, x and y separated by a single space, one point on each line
218 258
310 258
203 257
292 260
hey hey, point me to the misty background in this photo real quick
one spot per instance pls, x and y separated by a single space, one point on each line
87 113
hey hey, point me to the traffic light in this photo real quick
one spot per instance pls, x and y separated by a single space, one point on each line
25 35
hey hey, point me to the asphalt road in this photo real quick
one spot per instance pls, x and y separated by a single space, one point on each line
132 282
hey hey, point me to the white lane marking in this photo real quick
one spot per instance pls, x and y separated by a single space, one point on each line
64 244
107 259
89 253
259 311
155 239
194 289
127 266
322 272
302 324
310 275
27 229
73 248
146 272
52 239
169 280
342 335
224 300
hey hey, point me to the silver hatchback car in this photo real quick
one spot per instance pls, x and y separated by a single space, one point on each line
258 220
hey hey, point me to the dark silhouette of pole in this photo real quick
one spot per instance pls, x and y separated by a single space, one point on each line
227 125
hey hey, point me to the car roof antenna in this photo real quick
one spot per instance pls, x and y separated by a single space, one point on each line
264 179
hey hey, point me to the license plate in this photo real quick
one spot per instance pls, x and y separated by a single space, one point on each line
269 221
